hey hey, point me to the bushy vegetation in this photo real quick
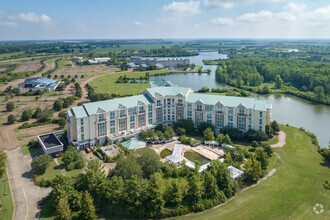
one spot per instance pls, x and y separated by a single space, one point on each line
3 162
61 103
72 159
40 164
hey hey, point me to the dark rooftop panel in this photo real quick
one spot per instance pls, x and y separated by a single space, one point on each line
49 140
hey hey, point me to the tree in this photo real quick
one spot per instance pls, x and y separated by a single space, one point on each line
155 195
268 149
208 134
211 188
11 119
87 207
180 131
10 106
58 104
319 93
3 158
269 131
275 126
265 90
127 167
220 138
252 169
195 188
260 136
149 161
96 166
45 115
63 211
169 133
27 114
62 122
40 164
228 159
188 125
160 135
134 196
175 191
203 126
262 157
226 139
254 144
278 82
36 112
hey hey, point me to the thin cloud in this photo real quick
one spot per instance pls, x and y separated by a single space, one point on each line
222 21
182 9
32 17
138 23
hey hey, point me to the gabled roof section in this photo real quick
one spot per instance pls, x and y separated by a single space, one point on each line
99 110
241 105
110 105
230 101
167 91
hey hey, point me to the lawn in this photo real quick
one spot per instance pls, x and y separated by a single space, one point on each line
29 150
291 193
6 200
70 173
51 172
107 83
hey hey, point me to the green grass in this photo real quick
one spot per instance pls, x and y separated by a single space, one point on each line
51 172
70 173
6 200
165 153
274 140
29 150
291 193
107 83
193 156
20 137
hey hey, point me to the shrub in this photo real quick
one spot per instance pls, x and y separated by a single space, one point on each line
180 131
10 106
40 164
203 126
11 119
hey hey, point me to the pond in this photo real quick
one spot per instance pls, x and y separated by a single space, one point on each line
286 109
193 156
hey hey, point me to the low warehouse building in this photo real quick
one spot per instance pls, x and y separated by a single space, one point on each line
50 144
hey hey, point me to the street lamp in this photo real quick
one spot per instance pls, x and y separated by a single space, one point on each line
4 185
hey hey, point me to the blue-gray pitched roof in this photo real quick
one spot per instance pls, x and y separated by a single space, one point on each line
167 91
40 80
230 101
159 82
109 105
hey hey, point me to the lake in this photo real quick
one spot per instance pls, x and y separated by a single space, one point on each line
286 109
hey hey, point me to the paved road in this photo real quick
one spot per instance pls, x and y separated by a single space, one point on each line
25 193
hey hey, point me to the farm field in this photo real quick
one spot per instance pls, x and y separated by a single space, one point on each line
291 193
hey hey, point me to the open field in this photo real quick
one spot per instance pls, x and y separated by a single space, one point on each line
7 208
27 67
107 84
291 193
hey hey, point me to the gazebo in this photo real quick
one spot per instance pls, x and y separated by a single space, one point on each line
235 173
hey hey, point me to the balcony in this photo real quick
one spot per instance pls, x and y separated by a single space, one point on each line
198 109
142 112
241 114
219 112
101 120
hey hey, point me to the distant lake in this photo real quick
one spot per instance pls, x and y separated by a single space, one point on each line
286 109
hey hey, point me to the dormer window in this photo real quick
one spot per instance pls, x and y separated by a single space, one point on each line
101 117
199 106
180 101
219 108
122 112
241 111
158 102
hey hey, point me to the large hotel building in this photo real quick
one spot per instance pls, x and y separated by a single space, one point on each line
119 118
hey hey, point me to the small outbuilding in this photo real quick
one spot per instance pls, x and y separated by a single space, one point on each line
50 144
176 156
235 173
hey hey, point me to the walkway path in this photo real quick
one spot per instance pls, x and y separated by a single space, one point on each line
60 166
26 194
281 140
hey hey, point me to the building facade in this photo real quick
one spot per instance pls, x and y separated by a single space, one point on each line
116 119
173 62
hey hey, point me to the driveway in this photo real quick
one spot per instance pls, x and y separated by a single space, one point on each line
25 193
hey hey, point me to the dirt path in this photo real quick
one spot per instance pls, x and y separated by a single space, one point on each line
281 140
26 194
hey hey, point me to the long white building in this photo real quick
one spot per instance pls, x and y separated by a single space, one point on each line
118 118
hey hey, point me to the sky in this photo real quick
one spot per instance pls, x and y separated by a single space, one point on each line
154 19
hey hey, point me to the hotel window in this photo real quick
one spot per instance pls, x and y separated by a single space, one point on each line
132 122
132 111
189 105
142 120
219 108
199 106
169 117
168 101
230 118
172 110
102 129
241 123
141 109
164 111
81 121
82 129
219 121
180 109
82 137
159 115
250 126
260 127
189 118
241 111
112 115
112 123
112 130
150 121
122 112
164 117
173 101
164 101
260 121
123 124
250 113
199 117
101 117
149 114
149 108
230 124
230 110
180 101
172 117
208 108
189 113
209 118
260 114
158 102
